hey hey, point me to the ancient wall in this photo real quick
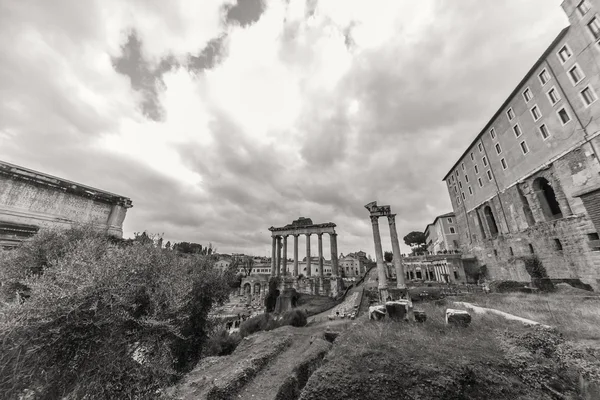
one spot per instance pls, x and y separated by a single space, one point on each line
37 200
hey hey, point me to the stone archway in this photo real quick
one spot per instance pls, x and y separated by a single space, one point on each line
547 198
247 288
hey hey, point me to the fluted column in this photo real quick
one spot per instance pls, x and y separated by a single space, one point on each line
273 257
284 273
308 265
382 284
401 284
334 253
320 246
296 255
278 255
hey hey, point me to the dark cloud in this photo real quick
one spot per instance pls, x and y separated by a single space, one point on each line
245 12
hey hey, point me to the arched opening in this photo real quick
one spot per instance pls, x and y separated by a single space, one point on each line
480 223
247 288
547 198
491 221
257 288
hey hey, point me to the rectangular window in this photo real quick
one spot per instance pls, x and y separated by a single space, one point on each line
458 199
588 96
564 116
470 191
466 178
553 96
480 147
544 77
564 54
463 195
463 166
452 230
524 147
489 174
510 114
493 133
498 148
476 170
583 7
527 95
460 185
480 182
456 173
449 220
535 113
503 162
472 157
594 27
576 74
544 132
455 190
452 178
484 160
517 131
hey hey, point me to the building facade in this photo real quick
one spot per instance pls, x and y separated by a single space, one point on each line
353 265
442 234
529 184
31 200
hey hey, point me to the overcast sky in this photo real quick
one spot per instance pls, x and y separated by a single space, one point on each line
220 120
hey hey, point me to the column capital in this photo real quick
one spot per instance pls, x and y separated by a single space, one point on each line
320 234
295 235
391 217
308 234
374 219
333 234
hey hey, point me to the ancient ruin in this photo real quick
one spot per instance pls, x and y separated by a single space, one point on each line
321 284
31 200
385 211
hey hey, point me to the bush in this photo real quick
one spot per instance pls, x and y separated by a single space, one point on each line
507 286
221 344
112 321
295 318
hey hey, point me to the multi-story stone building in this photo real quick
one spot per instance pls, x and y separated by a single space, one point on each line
442 234
31 200
353 264
530 181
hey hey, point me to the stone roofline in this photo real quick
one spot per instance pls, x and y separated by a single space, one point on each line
41 179
432 257
302 227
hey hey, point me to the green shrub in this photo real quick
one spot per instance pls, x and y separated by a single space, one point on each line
112 321
255 324
507 286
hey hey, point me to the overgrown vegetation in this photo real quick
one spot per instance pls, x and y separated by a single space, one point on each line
537 271
272 294
92 319
267 322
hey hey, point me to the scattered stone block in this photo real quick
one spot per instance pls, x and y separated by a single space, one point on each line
457 317
397 310
377 312
420 316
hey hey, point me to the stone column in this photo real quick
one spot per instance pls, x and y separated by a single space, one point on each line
334 254
284 272
308 266
273 257
278 255
320 246
401 284
382 284
296 255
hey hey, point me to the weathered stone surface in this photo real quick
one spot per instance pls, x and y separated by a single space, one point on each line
377 312
420 316
398 310
457 317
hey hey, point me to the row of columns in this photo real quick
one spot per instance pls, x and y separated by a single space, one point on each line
381 269
280 242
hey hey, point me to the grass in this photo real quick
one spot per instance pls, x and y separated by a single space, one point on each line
492 358
577 318
316 304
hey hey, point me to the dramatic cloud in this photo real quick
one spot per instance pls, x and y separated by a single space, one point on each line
222 118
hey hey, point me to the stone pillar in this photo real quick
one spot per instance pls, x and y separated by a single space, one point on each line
278 255
284 273
308 266
320 246
296 255
382 284
251 288
401 284
334 254
273 257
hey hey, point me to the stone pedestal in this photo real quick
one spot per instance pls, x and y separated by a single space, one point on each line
457 317
285 301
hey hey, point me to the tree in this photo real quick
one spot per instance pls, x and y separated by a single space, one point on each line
416 240
388 256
